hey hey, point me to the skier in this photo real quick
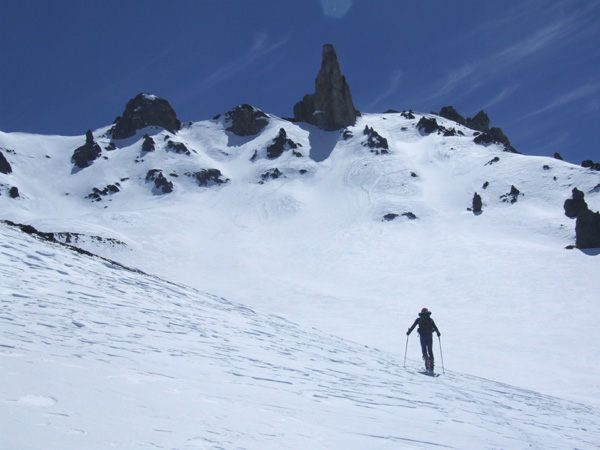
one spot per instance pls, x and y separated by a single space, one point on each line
426 328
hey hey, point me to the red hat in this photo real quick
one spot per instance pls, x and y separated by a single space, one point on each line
424 310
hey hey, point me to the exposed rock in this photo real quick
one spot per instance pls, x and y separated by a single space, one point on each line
391 216
280 144
448 112
375 141
512 196
589 164
87 153
13 192
477 203
148 144
209 177
246 120
428 125
587 226
408 115
161 184
178 147
557 156
4 165
330 107
97 194
271 174
575 205
495 136
481 122
143 111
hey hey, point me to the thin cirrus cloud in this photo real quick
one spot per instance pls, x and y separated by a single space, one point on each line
260 47
588 90
474 74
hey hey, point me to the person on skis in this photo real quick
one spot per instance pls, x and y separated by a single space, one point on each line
426 328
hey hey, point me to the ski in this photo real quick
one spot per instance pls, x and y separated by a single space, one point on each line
428 373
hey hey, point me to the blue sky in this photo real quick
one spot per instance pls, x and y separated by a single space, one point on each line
533 66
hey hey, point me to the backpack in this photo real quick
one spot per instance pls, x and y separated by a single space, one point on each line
425 325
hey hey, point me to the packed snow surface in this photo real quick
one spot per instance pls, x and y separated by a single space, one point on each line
275 309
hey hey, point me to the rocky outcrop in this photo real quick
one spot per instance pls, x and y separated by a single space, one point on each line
143 111
589 164
148 144
375 141
208 177
428 125
512 196
280 144
4 165
87 153
448 112
330 107
477 203
481 122
245 120
587 226
161 184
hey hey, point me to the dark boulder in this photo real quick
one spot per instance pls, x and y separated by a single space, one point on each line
477 203
512 196
209 177
587 226
280 144
13 192
589 164
148 144
97 194
161 184
86 154
557 156
575 205
330 107
143 111
428 125
271 174
178 147
4 165
245 120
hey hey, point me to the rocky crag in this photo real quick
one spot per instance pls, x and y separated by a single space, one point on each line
330 107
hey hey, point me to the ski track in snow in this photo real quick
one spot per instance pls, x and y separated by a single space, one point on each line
95 356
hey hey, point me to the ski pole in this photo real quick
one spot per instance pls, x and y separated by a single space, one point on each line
405 350
441 355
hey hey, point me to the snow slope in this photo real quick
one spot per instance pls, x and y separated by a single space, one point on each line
96 356
312 247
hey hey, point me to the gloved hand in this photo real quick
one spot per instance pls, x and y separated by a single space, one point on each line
408 332
439 334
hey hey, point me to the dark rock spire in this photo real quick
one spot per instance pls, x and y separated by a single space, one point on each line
330 107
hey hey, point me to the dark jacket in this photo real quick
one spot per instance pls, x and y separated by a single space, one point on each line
426 324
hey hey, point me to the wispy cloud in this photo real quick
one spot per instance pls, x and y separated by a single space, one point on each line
394 82
503 95
588 90
476 73
260 47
